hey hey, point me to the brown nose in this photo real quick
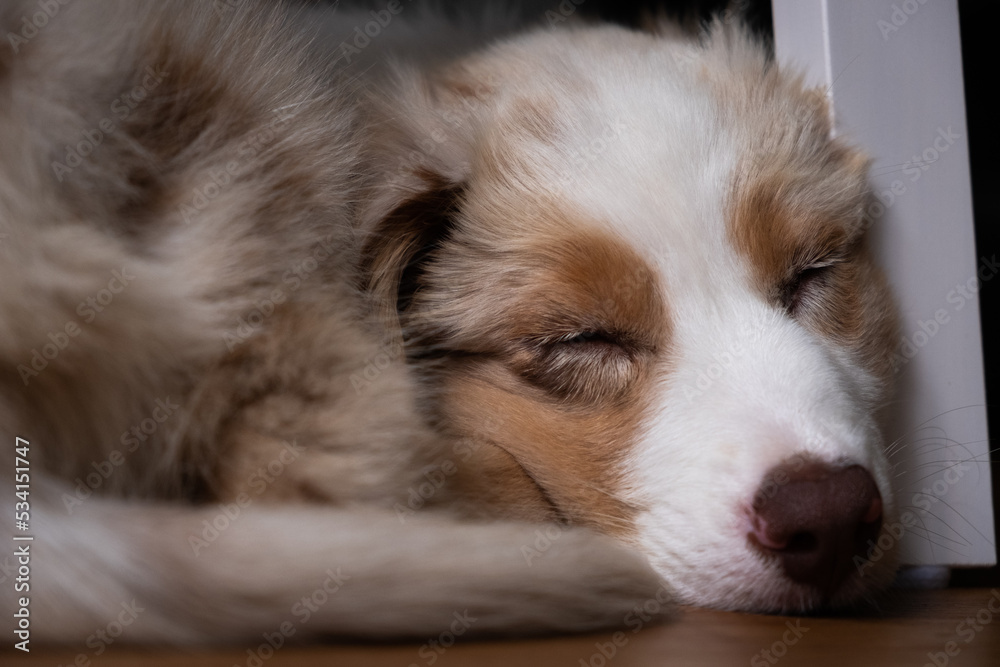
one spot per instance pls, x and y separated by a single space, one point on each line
815 519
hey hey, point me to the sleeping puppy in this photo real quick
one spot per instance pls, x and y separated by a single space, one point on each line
578 324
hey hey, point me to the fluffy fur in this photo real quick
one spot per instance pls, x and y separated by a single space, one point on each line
521 334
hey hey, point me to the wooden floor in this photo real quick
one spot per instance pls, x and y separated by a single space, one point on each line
912 627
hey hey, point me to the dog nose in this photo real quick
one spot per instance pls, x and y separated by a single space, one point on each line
816 519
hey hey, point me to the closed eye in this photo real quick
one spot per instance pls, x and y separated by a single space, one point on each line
796 292
586 337
581 364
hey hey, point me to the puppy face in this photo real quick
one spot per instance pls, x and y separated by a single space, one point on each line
632 270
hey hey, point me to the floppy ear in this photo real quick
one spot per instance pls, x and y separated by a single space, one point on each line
422 141
398 245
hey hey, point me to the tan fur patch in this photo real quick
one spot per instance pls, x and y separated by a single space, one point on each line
802 241
563 409
776 235
573 456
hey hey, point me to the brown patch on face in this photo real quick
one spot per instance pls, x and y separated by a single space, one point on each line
796 210
553 343
592 314
539 336
777 236
800 231
545 460
853 306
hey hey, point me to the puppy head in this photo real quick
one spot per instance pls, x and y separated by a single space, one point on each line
632 270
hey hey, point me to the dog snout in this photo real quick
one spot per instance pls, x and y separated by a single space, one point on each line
815 518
